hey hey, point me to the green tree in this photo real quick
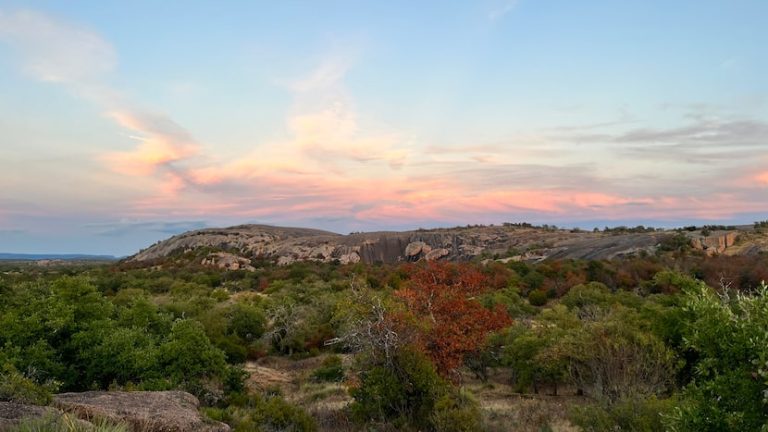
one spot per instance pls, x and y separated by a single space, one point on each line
188 357
729 334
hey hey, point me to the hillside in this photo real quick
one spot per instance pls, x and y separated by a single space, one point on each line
234 247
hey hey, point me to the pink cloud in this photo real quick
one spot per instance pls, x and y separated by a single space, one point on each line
161 142
334 162
762 178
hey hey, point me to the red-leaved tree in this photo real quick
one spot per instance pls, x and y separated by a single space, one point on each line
442 297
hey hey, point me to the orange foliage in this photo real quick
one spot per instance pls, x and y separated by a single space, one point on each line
442 298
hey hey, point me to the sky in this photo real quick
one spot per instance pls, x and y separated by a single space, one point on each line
123 123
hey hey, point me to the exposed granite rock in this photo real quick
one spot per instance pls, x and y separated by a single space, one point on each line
167 411
255 240
350 258
288 245
414 249
12 414
436 254
714 244
227 261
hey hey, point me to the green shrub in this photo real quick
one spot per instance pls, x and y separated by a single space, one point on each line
537 298
592 293
533 280
729 335
636 415
220 294
247 322
408 392
256 413
509 298
277 414
15 387
403 392
457 412
189 355
331 370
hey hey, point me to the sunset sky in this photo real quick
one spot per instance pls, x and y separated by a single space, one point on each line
122 123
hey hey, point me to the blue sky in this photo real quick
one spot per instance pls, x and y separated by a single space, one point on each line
123 123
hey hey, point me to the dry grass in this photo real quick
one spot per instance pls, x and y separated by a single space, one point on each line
503 409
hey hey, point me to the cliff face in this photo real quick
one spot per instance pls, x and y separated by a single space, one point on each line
714 244
287 245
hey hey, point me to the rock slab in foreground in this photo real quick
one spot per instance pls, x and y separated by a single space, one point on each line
11 414
167 411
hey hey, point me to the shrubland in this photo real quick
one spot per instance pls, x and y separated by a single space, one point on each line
673 341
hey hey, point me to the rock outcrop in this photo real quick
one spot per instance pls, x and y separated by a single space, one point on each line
235 247
238 245
714 244
436 254
166 411
227 261
43 418
11 414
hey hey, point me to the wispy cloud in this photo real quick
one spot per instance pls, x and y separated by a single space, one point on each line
708 133
56 51
128 227
162 143
329 74
334 163
702 141
501 11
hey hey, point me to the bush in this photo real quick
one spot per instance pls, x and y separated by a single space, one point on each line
404 392
188 353
728 334
277 414
247 322
331 370
637 415
511 300
15 387
255 413
678 242
614 359
457 413
408 392
537 298
592 293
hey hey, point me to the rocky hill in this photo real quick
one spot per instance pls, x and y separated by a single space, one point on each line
234 247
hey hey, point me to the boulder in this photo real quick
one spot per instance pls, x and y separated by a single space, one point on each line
697 244
227 261
436 254
350 258
322 252
165 411
414 249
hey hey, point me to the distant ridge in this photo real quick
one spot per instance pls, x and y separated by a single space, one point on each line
236 247
63 257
